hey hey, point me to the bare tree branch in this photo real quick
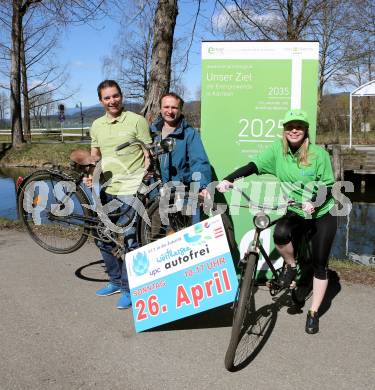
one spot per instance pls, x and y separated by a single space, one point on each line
233 19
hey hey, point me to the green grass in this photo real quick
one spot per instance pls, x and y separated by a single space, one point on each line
349 265
10 224
38 154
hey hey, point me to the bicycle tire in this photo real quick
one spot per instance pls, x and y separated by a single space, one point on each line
157 230
54 235
241 310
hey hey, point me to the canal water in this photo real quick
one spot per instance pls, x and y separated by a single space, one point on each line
8 177
355 238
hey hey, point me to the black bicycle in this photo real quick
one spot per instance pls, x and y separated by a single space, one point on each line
60 215
243 305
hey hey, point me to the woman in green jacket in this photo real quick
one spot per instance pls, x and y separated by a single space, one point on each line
302 168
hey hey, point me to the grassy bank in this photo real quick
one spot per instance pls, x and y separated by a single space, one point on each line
342 138
38 154
10 224
354 273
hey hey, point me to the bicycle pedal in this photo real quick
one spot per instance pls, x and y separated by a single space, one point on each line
273 288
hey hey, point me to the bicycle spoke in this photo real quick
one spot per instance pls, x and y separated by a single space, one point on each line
53 214
159 229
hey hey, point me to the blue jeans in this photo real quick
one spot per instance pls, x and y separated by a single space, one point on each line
116 268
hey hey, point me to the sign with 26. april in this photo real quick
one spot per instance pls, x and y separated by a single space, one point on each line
180 275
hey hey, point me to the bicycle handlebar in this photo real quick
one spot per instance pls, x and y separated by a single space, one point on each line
165 145
129 143
122 146
289 202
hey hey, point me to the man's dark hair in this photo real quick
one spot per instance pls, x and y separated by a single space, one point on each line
107 84
174 95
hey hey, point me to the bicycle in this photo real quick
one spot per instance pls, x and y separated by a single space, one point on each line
242 305
60 216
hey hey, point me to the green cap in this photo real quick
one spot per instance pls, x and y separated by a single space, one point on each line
296 115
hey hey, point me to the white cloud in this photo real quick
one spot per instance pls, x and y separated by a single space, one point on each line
224 22
221 20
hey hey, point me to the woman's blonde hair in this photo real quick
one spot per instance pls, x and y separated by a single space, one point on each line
303 151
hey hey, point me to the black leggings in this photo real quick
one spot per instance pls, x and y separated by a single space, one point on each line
321 232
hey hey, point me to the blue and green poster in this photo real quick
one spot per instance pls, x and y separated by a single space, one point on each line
246 89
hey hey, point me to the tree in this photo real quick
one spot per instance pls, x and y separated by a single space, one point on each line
19 10
364 16
64 12
330 29
335 24
4 105
360 65
40 73
130 59
292 20
41 106
160 76
269 19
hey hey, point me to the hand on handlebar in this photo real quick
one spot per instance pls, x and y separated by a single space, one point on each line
308 207
149 173
87 181
224 186
205 193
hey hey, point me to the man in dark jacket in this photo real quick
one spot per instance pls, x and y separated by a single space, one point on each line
188 162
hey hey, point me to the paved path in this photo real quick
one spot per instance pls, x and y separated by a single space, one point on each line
55 334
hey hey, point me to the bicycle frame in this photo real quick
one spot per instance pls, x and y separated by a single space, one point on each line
242 305
256 246
94 224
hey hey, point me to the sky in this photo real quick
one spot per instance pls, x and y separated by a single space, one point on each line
83 47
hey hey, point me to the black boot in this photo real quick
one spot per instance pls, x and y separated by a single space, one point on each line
312 322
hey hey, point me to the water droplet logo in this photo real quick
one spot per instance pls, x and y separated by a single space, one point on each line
196 237
140 263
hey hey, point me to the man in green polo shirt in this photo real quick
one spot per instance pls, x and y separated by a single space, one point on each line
123 173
